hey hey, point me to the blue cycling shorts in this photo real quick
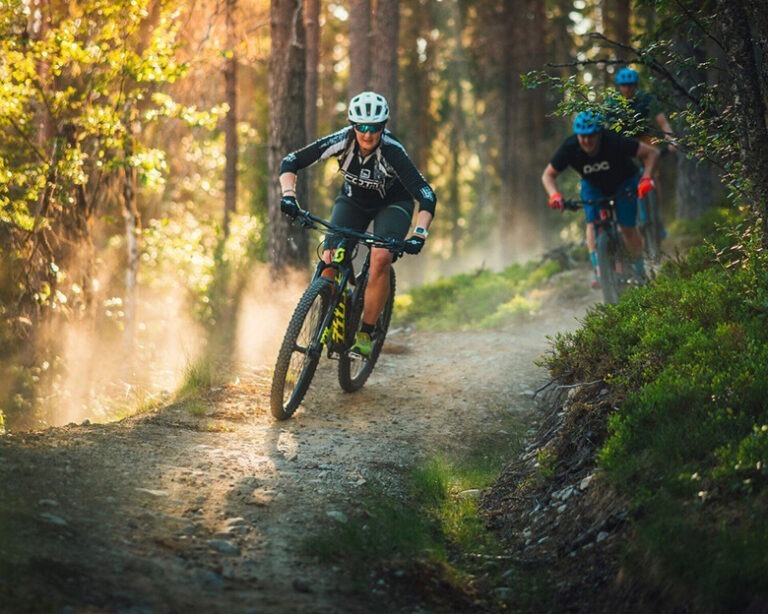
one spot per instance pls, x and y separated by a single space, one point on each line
626 202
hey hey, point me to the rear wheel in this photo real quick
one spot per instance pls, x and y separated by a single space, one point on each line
651 228
606 262
300 351
354 370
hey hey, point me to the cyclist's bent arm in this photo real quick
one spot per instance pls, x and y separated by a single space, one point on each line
423 219
663 123
648 155
548 179
288 183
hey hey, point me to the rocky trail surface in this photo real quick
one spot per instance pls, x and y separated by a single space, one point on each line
204 511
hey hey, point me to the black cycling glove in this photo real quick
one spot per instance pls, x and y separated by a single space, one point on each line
289 206
414 244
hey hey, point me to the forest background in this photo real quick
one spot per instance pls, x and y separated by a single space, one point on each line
140 232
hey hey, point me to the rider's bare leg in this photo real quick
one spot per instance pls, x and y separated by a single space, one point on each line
592 248
377 290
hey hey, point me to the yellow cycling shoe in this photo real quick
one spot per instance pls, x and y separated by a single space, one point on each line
363 345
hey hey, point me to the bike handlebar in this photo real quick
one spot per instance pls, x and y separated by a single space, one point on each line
396 246
607 201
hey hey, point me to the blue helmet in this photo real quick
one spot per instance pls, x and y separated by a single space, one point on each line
627 76
587 122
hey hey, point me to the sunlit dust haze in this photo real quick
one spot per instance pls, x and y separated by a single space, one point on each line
265 310
106 378
100 383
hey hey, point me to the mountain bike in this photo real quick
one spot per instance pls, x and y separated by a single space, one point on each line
613 260
328 316
649 221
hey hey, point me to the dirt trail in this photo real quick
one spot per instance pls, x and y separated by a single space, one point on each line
175 512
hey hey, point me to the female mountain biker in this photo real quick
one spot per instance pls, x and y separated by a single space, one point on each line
605 162
380 185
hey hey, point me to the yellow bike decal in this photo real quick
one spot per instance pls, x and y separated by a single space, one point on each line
338 256
337 325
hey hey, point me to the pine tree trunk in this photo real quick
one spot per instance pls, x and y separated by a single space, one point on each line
745 39
312 27
384 71
230 121
287 74
359 46
132 234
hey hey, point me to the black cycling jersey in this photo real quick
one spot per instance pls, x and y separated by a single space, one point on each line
611 166
385 176
634 119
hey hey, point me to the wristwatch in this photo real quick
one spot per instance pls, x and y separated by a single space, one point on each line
421 231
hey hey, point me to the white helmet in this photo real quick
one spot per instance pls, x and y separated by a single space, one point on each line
368 108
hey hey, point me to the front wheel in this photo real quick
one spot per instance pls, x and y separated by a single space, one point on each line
354 370
301 350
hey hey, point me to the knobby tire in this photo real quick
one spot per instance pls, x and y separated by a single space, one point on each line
355 370
651 229
607 257
300 351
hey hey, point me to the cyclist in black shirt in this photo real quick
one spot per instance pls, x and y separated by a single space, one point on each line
633 112
604 160
380 186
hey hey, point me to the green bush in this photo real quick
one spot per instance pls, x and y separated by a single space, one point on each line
687 359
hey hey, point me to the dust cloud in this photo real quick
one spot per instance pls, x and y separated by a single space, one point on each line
105 377
265 309
102 379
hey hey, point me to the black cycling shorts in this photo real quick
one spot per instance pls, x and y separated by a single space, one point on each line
394 220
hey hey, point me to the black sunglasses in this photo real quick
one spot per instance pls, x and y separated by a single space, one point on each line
372 128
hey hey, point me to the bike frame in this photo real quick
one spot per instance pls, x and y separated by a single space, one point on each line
336 320
328 315
342 262
610 247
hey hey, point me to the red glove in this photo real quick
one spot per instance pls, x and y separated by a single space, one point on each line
556 201
644 187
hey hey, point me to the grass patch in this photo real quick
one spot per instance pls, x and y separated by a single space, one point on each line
482 299
427 543
199 376
196 408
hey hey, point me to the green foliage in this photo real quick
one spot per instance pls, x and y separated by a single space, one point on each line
186 250
687 359
707 223
86 98
483 299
